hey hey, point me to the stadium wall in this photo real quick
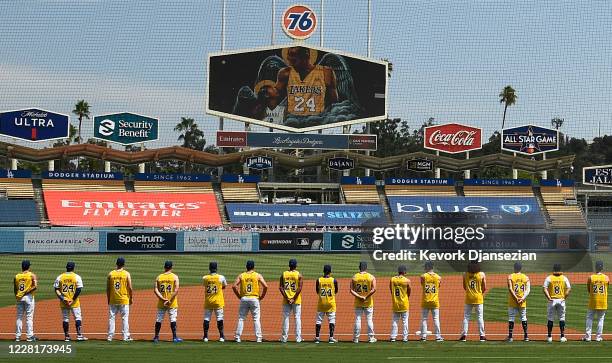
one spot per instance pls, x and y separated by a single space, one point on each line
133 241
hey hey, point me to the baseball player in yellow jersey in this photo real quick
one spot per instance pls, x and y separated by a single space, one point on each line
475 286
250 287
399 286
290 286
214 284
25 285
363 286
68 287
430 301
556 289
309 88
327 289
166 289
519 287
119 298
597 286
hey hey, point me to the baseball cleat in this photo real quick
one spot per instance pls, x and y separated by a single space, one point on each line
563 339
549 339
332 340
177 340
463 338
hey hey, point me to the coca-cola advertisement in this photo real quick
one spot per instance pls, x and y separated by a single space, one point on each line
453 138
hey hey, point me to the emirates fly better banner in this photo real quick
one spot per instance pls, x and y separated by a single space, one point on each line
106 209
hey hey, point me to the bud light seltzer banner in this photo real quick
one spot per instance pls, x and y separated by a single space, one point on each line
125 128
530 140
34 125
597 175
453 138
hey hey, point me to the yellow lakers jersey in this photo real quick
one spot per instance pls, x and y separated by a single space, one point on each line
67 285
327 295
556 287
306 97
249 286
213 285
598 292
119 294
430 283
399 294
291 281
23 282
519 286
166 284
362 285
473 288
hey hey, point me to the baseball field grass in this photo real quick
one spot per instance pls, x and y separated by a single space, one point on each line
448 351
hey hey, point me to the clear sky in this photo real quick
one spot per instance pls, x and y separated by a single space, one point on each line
450 58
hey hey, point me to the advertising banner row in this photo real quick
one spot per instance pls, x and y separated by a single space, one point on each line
75 241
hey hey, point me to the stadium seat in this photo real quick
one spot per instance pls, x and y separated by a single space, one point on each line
360 194
420 190
497 191
240 192
17 188
84 185
562 208
172 187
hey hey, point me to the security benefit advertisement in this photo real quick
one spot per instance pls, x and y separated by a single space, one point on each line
297 89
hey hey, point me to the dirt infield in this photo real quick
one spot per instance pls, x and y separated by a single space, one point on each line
142 315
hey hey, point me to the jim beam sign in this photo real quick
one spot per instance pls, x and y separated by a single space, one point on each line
259 162
453 138
340 164
597 175
420 165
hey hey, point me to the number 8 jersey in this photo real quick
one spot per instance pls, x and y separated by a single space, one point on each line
118 287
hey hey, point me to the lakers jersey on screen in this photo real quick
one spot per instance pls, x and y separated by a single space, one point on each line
598 292
23 283
327 295
291 281
473 288
249 286
67 284
213 284
166 284
556 287
362 284
306 97
430 283
519 286
119 294
399 294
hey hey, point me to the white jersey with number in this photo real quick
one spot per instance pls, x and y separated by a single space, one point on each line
276 116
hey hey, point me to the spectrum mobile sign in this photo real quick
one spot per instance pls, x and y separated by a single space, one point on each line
125 128
34 124
453 138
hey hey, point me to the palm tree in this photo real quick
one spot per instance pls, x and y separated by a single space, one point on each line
191 135
508 98
557 122
81 109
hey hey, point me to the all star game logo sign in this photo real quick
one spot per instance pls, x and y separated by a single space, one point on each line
530 140
299 22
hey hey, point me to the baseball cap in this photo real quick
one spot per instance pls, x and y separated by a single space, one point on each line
327 269
598 265
212 267
363 266
401 269
250 264
429 265
120 261
168 264
70 266
557 267
293 263
518 266
25 264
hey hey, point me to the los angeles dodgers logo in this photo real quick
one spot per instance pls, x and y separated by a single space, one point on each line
299 21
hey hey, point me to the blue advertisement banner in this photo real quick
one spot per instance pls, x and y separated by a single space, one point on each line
298 214
173 177
557 183
530 140
501 211
125 128
358 180
352 242
81 175
419 181
9 174
498 182
296 141
34 125
597 175
291 241
240 178
141 241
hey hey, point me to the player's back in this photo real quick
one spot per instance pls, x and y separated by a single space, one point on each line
68 282
213 284
430 283
23 282
249 284
556 286
518 280
362 284
291 281
166 284
598 292
327 295
119 294
473 283
399 293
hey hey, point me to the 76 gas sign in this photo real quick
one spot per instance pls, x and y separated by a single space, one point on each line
299 21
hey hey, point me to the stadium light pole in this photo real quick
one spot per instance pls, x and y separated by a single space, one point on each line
514 171
220 168
368 129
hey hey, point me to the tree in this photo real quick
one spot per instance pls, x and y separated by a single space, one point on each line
191 135
557 122
508 98
81 109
